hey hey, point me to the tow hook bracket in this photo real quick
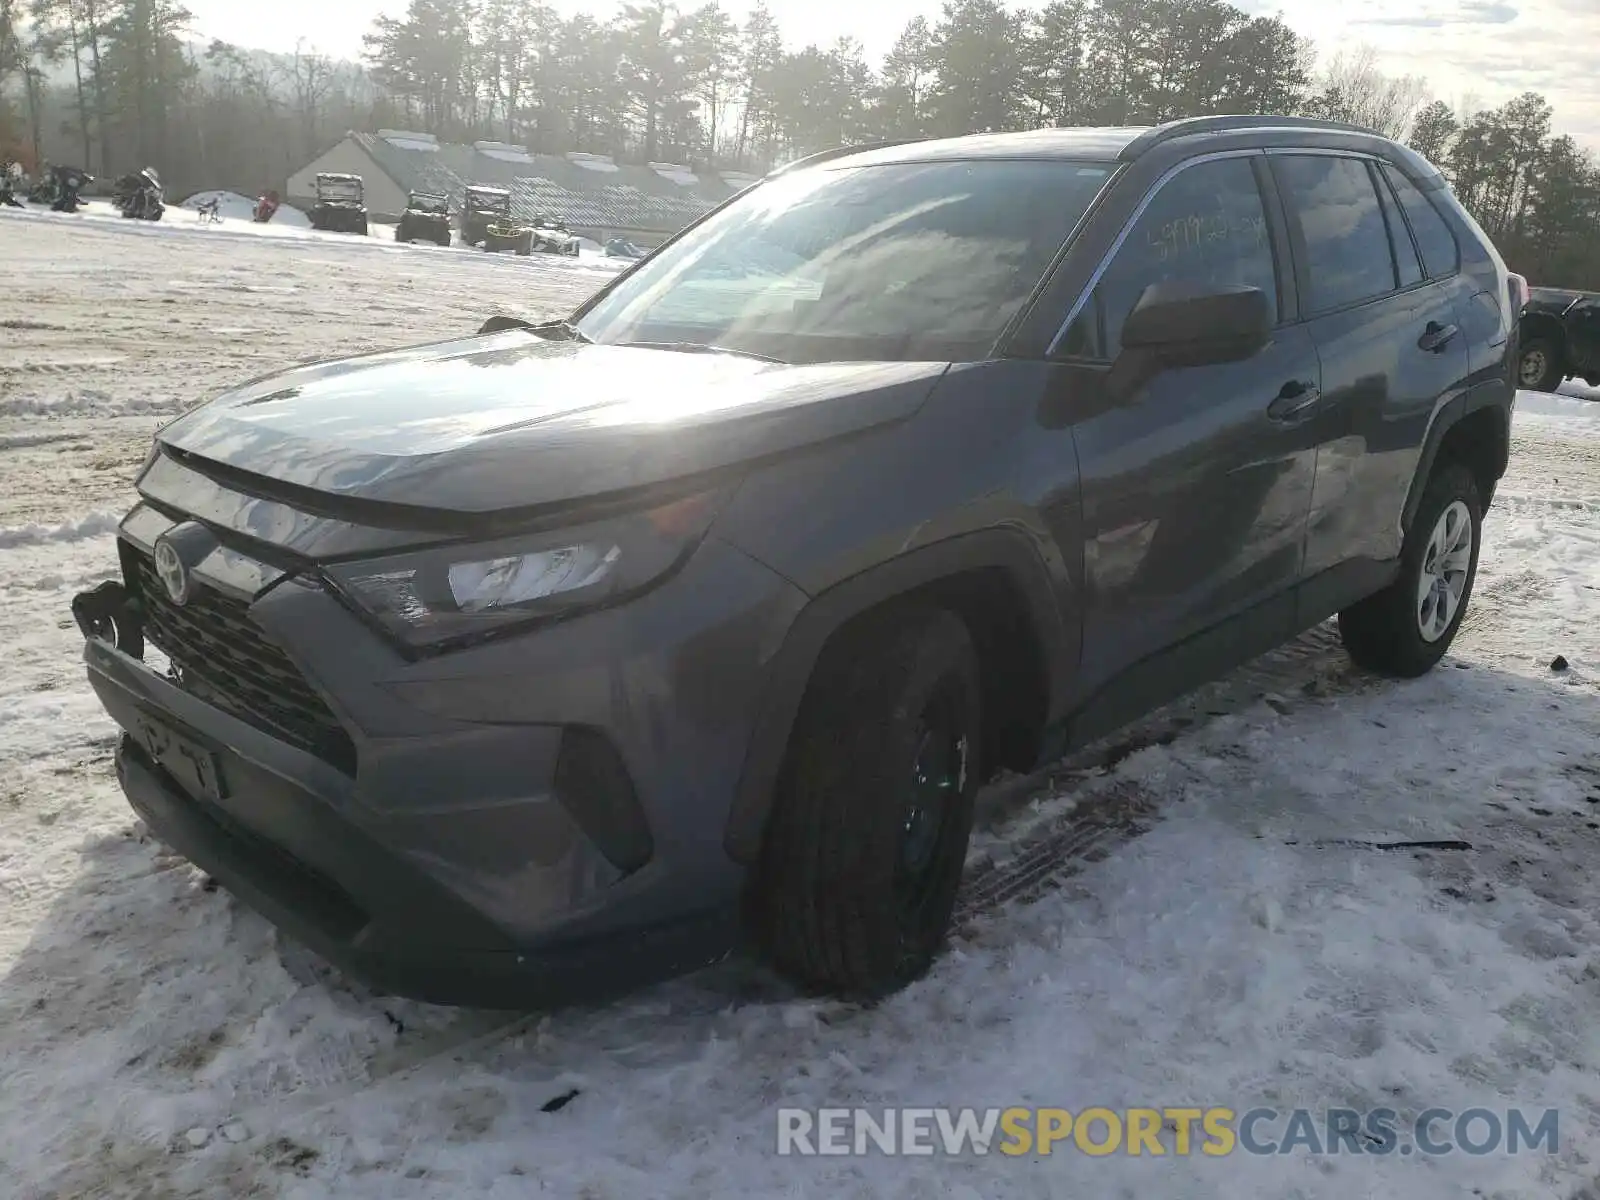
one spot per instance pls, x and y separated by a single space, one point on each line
108 613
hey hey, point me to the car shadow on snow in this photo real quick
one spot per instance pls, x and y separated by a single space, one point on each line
152 1022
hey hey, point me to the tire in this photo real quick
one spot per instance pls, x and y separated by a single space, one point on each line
855 889
1539 366
1385 632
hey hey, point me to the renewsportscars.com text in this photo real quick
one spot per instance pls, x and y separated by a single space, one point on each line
1169 1131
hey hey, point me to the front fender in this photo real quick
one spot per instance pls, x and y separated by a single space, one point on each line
828 611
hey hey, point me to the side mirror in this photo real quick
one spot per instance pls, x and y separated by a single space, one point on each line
1198 324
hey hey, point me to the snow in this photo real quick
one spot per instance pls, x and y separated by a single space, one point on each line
234 207
93 525
592 162
288 224
675 173
405 139
1229 942
504 152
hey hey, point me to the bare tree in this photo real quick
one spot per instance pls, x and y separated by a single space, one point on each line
311 77
1351 88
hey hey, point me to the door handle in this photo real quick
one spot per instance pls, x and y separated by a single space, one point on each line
1436 337
1294 399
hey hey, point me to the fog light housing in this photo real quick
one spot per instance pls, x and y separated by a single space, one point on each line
593 785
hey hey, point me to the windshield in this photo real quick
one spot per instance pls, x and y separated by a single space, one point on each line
339 189
903 261
426 203
489 202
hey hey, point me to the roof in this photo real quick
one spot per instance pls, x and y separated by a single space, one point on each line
585 190
1094 145
1122 143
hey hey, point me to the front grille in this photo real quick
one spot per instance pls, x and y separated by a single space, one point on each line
221 656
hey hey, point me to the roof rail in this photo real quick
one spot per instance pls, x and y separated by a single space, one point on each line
812 160
1222 123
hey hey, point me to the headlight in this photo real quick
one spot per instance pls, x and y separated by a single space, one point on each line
456 594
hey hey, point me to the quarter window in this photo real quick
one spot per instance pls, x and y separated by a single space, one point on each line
1333 203
1440 253
1206 225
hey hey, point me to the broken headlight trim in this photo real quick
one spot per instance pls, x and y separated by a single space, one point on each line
447 595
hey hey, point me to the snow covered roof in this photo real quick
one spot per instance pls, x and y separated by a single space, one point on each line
676 173
503 152
404 139
592 162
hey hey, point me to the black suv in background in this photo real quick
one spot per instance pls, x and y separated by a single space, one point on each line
1560 339
541 663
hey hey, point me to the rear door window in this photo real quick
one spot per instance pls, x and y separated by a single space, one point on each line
1440 253
1400 243
1207 224
1338 226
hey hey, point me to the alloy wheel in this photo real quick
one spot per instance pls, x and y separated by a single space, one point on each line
1534 365
1445 562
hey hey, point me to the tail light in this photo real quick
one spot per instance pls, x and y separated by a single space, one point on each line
1518 287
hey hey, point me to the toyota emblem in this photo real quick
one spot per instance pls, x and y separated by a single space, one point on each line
170 570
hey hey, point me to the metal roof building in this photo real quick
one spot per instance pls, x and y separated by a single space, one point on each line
596 196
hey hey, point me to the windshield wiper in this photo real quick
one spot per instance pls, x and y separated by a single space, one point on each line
501 321
700 348
567 328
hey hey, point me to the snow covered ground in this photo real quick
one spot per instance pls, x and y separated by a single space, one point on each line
231 206
288 223
1214 930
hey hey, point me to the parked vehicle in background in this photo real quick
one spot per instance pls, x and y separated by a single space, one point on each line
623 248
426 219
482 206
266 207
535 665
551 236
341 204
1560 339
61 188
502 236
139 196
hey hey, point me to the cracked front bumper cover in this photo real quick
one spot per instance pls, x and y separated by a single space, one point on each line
402 901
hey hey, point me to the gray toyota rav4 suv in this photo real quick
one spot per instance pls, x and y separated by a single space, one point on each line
537 664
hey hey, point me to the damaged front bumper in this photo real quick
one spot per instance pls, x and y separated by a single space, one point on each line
405 899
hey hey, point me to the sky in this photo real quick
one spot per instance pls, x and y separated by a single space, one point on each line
1483 50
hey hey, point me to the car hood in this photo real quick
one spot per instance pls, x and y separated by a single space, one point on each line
514 420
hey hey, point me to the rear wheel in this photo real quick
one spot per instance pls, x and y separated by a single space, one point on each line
1405 629
1539 366
868 836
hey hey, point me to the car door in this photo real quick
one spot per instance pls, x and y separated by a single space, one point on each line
1390 337
1195 486
1583 336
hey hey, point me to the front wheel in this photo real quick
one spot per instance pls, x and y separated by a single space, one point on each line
1405 629
1539 366
868 836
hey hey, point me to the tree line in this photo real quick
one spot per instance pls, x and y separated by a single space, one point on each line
117 84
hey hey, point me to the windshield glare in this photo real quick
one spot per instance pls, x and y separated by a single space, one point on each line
901 261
